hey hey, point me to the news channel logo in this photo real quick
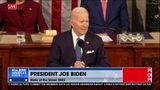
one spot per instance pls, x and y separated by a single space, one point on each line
17 75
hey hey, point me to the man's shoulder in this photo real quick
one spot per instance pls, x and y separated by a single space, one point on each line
63 35
93 36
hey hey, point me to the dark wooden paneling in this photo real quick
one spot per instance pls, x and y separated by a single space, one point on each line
120 57
4 58
29 57
150 57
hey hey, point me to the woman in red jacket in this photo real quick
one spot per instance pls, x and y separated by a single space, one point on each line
22 15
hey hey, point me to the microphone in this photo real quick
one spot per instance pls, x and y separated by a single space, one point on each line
81 43
116 30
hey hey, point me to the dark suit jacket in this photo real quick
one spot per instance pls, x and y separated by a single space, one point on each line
62 53
32 17
116 15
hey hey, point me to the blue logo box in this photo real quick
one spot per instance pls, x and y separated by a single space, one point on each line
17 75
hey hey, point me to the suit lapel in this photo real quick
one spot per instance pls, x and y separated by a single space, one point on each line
98 4
109 10
87 45
28 11
70 48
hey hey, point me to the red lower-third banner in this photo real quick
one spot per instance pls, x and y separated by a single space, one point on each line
137 75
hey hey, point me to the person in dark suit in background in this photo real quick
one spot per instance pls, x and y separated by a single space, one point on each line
63 51
22 15
106 14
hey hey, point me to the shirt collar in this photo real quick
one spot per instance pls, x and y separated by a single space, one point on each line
74 36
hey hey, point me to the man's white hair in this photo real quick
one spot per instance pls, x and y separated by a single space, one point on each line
77 11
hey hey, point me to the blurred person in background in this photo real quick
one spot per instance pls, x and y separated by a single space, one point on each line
106 14
22 15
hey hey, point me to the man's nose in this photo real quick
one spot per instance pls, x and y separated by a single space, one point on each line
85 25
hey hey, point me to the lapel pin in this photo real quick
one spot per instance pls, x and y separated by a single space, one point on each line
87 42
30 9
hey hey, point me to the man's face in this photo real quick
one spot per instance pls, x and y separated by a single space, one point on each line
80 23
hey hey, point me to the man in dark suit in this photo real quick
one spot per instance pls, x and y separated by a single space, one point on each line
115 11
64 46
27 16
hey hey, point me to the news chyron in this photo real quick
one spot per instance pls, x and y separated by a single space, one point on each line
80 76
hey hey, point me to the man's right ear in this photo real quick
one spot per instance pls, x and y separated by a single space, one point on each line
71 23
